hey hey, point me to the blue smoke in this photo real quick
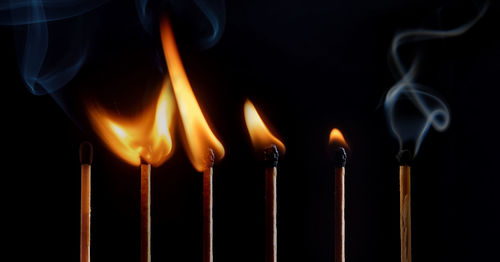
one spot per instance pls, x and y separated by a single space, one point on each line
214 12
411 108
48 59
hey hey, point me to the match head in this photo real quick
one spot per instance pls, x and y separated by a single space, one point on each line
210 158
404 157
339 157
271 156
86 153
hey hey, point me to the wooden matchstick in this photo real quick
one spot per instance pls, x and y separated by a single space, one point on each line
339 204
271 162
405 205
86 154
208 255
145 212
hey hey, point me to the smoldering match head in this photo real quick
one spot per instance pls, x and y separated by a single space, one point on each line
404 157
86 153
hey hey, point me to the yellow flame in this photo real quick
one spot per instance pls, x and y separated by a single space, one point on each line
336 137
198 137
146 136
259 133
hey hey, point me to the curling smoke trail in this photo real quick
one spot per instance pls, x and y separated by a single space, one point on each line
48 59
411 108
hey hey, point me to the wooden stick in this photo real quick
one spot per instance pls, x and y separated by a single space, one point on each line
405 212
208 230
86 153
339 214
207 215
145 212
271 161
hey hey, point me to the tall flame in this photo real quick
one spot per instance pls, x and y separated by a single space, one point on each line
336 137
199 138
259 133
146 136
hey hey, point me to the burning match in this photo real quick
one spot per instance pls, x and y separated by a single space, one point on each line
262 139
339 144
201 144
143 141
86 155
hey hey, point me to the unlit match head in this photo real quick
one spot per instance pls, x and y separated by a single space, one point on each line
86 153
271 156
404 157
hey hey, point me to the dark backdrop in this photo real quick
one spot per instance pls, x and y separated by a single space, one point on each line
309 66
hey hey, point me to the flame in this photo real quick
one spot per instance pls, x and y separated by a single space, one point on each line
146 136
198 137
336 137
259 134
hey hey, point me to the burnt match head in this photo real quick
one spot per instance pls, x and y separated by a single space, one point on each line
404 157
86 153
339 157
210 158
271 156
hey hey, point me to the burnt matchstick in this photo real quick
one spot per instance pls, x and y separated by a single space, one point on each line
271 156
208 208
86 155
339 157
145 211
404 158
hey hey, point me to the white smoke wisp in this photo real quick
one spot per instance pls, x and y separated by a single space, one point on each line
410 107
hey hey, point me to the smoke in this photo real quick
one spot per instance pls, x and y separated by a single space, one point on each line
412 108
49 54
205 19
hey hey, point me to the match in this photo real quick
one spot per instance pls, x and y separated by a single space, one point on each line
208 229
338 143
404 158
145 211
86 155
271 156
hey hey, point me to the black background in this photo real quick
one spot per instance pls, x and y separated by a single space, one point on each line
309 66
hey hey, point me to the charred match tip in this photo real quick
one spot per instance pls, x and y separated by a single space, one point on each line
339 157
404 157
210 158
86 153
144 161
271 156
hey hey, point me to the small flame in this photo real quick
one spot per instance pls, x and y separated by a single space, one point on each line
198 137
259 134
336 137
146 136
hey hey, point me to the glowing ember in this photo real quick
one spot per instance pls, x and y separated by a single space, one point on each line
146 136
259 133
198 137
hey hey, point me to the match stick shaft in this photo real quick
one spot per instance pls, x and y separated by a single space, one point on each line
339 215
207 215
145 213
405 212
85 214
271 212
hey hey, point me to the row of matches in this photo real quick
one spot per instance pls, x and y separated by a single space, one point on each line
270 160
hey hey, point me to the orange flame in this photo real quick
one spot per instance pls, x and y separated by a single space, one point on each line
336 137
146 136
259 134
199 138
